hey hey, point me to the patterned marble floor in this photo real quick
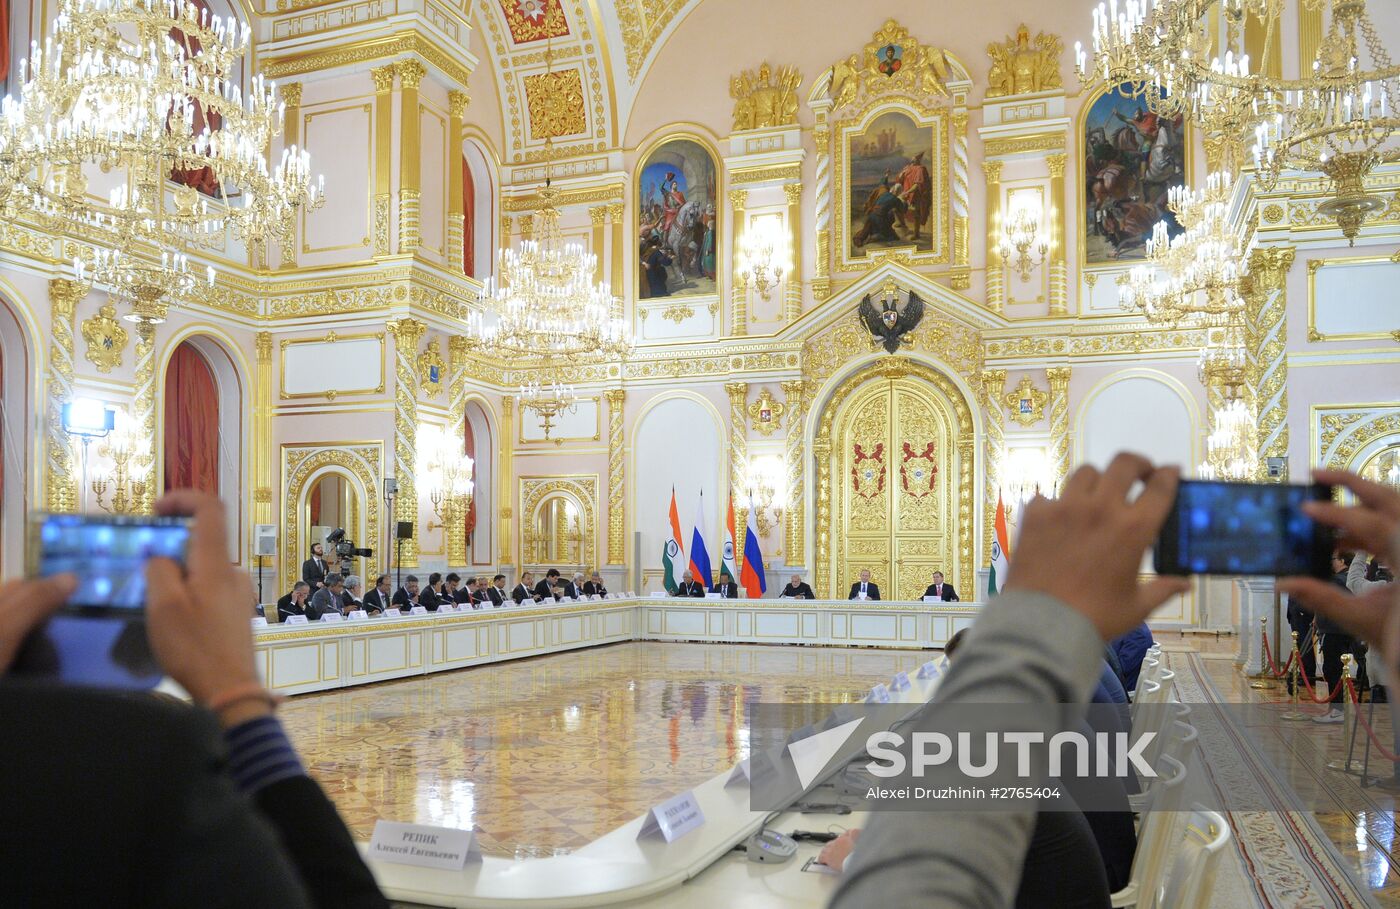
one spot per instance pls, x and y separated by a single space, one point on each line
545 755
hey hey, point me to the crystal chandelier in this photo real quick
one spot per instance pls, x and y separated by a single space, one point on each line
1197 273
1223 369
132 87
545 393
1024 241
1335 117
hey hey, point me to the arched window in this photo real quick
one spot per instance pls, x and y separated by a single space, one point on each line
478 207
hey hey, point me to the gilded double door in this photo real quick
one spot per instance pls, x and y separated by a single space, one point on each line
895 472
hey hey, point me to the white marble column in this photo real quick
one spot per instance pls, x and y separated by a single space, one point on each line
1257 602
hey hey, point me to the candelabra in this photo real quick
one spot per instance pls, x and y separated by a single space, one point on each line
130 455
762 256
1024 241
446 473
1197 272
767 496
1334 117
1026 472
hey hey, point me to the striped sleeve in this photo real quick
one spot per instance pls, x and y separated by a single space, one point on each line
259 754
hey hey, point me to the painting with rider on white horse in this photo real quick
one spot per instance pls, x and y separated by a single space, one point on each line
1132 159
677 223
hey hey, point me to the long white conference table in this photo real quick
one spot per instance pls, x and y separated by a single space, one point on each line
619 869
295 659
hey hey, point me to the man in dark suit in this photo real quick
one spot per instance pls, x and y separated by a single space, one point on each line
451 586
293 603
406 597
726 586
689 587
215 782
572 588
594 585
496 591
943 591
864 588
798 589
327 600
313 570
378 599
546 588
431 596
522 591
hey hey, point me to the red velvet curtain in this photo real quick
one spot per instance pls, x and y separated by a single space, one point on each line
191 423
470 439
468 225
5 41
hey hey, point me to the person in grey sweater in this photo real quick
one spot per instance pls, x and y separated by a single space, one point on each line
1073 587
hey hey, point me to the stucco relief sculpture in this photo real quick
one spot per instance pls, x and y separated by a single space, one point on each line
1020 66
765 98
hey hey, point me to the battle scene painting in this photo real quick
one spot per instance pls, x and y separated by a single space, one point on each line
890 175
677 224
1132 159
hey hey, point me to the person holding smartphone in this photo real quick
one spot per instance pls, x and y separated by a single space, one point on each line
217 790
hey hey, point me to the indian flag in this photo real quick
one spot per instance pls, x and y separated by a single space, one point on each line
1001 553
673 553
727 560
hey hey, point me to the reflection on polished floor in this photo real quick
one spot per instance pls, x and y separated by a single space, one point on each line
545 755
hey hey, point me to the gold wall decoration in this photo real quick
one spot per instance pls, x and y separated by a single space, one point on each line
915 520
893 62
738 294
383 77
765 98
456 216
504 496
410 73
991 387
1021 66
432 370
143 417
459 359
1059 268
796 393
364 461
738 457
617 486
1026 403
765 413
1265 291
555 103
1058 377
407 333
1343 431
846 339
582 488
60 477
792 290
106 339
642 23
996 268
262 432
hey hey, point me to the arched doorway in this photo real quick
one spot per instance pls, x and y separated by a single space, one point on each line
16 413
894 450
191 438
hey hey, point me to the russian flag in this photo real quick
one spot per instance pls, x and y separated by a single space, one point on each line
751 575
699 555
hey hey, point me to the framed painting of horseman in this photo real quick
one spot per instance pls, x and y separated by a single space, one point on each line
677 223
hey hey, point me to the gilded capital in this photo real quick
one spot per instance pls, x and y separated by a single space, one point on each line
738 393
614 397
291 93
1058 377
457 103
960 123
993 383
458 347
615 213
1056 163
1269 265
64 296
738 198
264 343
507 408
793 391
993 171
383 77
793 191
410 73
598 214
407 333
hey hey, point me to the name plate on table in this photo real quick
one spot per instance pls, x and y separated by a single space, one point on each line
928 670
447 608
880 694
358 615
759 766
900 682
332 617
297 620
714 596
673 818
933 599
418 610
630 593
566 599
417 844
659 596
259 622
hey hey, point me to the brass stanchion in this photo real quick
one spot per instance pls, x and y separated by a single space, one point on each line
1294 715
1349 724
1263 680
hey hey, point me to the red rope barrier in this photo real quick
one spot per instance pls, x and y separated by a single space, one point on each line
1361 717
1273 669
1312 693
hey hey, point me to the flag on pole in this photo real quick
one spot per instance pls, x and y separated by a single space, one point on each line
727 560
672 553
699 555
754 581
1001 553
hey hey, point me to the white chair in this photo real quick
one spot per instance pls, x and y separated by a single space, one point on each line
1191 883
1155 838
1177 740
1151 666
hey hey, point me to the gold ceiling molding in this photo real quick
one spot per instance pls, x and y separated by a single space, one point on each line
1114 340
555 103
565 198
641 23
1018 145
371 50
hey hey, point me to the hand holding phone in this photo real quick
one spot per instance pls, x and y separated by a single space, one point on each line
1226 528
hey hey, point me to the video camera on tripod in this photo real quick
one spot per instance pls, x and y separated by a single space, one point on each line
345 549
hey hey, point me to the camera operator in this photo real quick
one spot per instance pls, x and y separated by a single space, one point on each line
216 790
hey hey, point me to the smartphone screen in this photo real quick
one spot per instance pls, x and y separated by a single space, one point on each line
1244 529
107 554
